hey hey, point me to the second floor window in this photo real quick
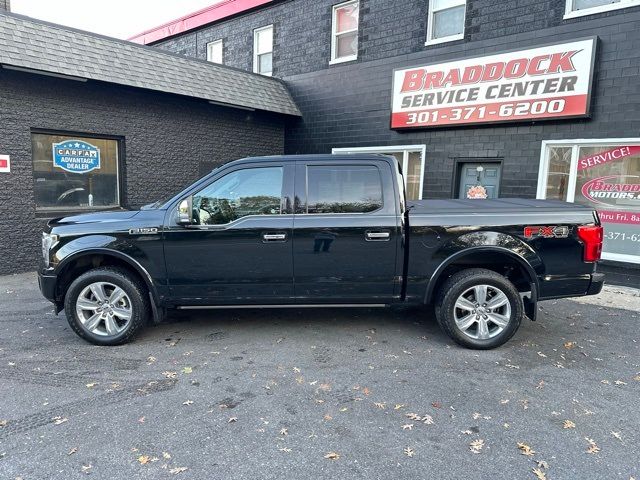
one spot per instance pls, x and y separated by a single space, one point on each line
263 50
344 32
576 8
214 52
446 20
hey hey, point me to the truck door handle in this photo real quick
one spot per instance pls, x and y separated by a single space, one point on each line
274 237
377 236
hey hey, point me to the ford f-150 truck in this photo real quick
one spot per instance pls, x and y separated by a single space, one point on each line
314 231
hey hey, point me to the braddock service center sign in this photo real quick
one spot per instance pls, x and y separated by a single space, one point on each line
76 156
548 82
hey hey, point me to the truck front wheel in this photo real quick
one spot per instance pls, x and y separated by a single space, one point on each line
106 306
479 308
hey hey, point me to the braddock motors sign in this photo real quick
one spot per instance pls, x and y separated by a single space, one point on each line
548 82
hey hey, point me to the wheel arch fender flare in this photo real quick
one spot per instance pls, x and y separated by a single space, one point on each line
521 260
131 262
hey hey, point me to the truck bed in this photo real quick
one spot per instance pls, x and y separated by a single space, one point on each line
514 211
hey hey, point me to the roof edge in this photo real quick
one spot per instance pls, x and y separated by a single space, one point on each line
192 21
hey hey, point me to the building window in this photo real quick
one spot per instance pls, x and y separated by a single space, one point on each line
215 52
72 172
603 175
344 32
263 50
411 159
579 8
446 21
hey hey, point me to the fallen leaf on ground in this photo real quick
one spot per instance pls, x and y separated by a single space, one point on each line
539 474
72 451
188 402
569 345
166 456
526 449
3 423
476 446
59 420
91 385
144 459
427 420
409 452
141 420
568 424
170 374
366 391
408 426
325 387
379 405
332 456
399 406
177 470
593 446
187 370
285 449
86 468
232 420
284 431
151 359
328 417
616 435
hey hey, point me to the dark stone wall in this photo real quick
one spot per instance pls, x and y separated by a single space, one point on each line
169 142
347 105
5 5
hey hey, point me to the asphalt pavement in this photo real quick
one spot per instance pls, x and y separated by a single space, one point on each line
314 394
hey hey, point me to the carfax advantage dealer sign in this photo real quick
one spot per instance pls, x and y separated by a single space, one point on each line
548 82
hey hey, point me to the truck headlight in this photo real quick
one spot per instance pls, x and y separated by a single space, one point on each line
49 241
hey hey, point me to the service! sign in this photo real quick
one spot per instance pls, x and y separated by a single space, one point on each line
548 82
76 156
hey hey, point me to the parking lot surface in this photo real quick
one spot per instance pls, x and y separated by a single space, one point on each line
309 394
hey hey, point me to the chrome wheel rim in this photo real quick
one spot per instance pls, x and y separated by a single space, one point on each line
104 309
482 312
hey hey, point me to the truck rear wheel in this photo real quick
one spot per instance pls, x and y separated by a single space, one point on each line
479 308
106 306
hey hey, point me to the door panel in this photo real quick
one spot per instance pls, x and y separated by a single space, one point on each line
239 251
345 257
489 178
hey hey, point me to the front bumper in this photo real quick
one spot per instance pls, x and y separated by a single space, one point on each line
597 282
48 284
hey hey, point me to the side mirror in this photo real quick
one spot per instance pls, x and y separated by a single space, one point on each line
185 211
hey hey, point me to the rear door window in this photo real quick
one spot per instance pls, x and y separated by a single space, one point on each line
343 189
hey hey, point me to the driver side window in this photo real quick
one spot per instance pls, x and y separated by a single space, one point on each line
252 191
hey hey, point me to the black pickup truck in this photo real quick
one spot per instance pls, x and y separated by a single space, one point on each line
319 231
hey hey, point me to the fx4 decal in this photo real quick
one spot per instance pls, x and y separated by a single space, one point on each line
547 232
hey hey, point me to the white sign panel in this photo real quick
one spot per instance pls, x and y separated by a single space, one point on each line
5 164
549 82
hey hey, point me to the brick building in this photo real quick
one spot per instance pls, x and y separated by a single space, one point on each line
338 60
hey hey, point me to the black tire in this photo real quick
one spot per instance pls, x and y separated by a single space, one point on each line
461 282
132 286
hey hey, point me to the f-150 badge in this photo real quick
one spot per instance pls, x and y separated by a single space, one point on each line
547 232
143 231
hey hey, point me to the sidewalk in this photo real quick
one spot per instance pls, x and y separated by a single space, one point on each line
623 276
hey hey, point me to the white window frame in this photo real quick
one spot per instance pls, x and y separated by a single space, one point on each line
334 33
450 38
571 13
209 48
256 66
405 149
573 174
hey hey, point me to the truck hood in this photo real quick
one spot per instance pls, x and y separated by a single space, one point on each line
94 217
